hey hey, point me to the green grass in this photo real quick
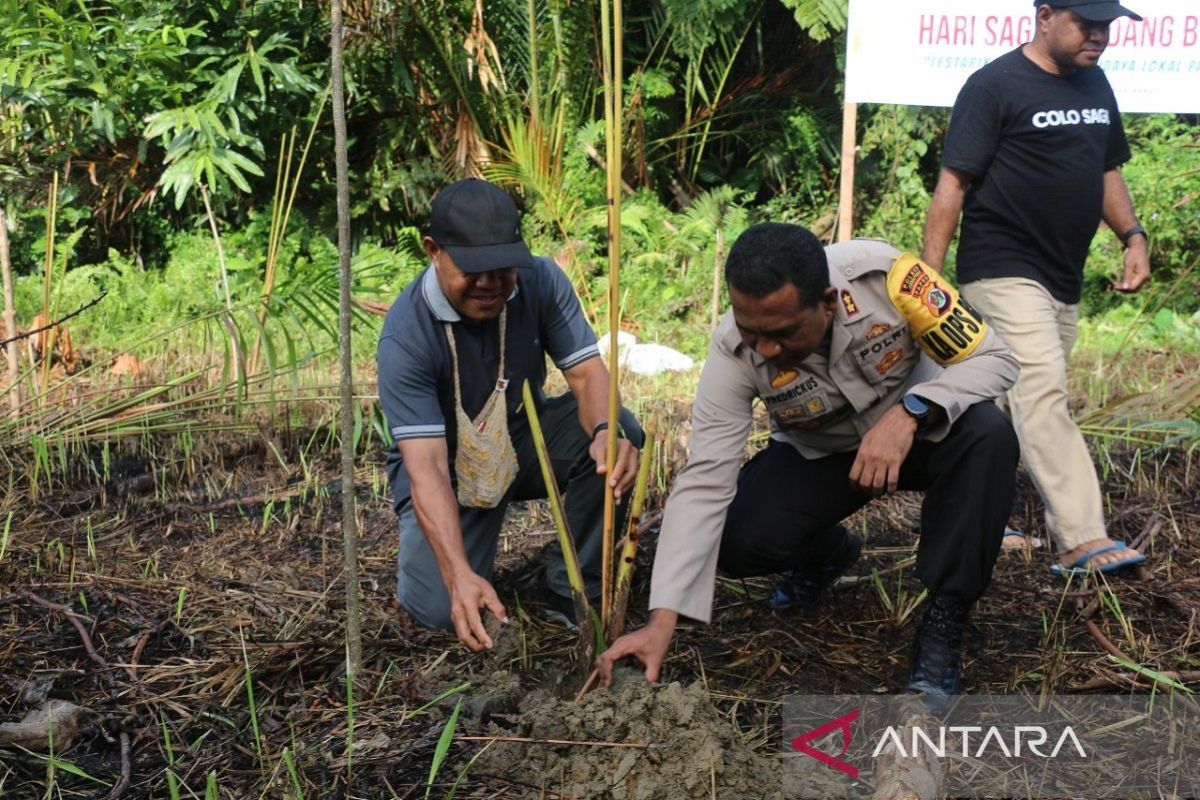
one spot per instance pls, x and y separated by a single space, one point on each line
250 701
4 534
293 773
172 779
443 748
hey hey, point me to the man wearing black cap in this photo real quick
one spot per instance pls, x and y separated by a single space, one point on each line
1032 163
455 350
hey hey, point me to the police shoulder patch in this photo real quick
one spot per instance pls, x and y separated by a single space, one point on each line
946 327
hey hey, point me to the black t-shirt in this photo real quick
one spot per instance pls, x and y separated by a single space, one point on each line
1038 145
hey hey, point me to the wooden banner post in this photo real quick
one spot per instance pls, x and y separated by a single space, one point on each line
845 229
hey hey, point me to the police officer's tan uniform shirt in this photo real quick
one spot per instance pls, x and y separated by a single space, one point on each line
826 404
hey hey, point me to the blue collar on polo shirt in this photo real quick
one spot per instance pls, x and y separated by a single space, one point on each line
437 301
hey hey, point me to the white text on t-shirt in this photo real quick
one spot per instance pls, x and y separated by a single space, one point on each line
1088 116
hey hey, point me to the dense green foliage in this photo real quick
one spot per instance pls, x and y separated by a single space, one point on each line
732 116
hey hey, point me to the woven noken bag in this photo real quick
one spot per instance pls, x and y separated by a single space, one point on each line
484 460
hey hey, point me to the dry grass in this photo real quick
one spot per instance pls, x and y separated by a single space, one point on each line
184 556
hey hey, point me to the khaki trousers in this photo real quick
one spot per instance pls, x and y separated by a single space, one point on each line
1041 331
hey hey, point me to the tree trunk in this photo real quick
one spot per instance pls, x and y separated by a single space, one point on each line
346 423
10 321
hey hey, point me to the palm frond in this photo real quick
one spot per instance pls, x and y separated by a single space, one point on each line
820 19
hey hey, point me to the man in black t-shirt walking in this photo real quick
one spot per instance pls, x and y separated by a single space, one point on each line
1031 162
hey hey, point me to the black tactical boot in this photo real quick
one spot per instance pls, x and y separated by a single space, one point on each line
803 588
937 651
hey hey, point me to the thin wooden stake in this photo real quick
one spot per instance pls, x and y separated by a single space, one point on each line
346 419
47 342
235 342
10 321
557 742
718 261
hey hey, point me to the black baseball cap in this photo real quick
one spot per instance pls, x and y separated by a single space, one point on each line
478 223
1105 11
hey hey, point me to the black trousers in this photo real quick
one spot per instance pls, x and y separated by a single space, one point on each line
787 508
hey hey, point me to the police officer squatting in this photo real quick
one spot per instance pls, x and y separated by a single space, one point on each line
876 376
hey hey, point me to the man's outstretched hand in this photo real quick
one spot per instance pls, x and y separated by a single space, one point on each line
468 594
648 645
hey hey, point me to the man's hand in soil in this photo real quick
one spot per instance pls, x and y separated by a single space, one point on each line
624 471
648 645
468 594
876 469
1137 265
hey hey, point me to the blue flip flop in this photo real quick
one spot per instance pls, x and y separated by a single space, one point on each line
1079 566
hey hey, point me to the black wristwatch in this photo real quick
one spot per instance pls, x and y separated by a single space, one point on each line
917 408
1134 231
603 426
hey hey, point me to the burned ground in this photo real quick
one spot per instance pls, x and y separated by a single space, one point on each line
209 587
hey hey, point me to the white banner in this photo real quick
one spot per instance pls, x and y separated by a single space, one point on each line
920 52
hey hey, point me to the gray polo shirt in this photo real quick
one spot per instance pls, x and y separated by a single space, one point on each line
416 387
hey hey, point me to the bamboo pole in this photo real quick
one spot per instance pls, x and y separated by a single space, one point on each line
612 43
10 321
629 551
346 423
849 149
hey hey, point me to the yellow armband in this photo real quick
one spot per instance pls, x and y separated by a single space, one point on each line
944 324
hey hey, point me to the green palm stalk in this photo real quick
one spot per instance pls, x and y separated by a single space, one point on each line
583 613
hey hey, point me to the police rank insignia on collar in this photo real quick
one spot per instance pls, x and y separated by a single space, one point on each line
849 304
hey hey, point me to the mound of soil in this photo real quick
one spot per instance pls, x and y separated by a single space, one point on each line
684 748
